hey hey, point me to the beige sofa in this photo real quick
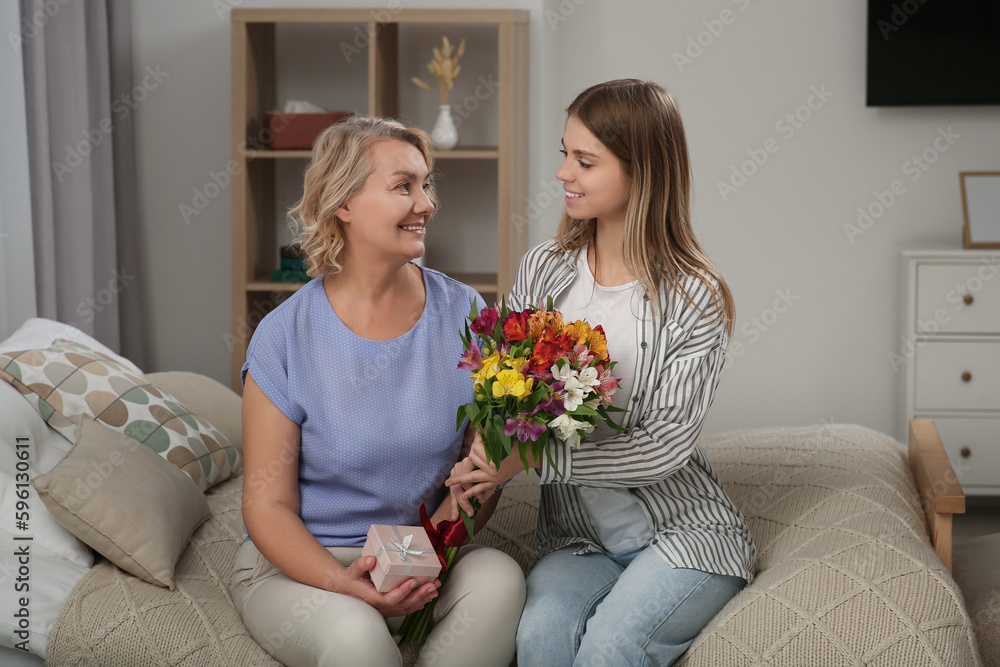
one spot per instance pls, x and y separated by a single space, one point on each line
847 574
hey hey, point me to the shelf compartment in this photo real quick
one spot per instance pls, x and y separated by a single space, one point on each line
257 286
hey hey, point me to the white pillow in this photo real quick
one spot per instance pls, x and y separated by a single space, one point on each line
38 333
51 580
46 446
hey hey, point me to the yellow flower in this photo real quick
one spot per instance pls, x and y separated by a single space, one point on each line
598 344
515 363
491 366
511 383
541 320
578 331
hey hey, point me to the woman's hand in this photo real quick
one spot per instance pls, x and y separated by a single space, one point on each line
448 510
467 481
404 599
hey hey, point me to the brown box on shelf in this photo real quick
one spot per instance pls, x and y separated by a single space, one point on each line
299 130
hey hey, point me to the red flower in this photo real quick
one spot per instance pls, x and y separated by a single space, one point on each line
485 322
548 349
515 325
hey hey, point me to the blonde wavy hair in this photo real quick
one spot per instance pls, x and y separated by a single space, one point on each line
639 122
342 160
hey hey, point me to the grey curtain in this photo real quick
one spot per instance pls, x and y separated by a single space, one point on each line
78 88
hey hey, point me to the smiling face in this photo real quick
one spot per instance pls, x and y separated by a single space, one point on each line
595 181
387 218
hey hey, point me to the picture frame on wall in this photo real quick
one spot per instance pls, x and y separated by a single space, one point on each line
981 208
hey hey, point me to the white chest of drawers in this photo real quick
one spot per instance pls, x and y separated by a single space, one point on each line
948 357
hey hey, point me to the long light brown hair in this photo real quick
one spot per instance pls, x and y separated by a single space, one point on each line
342 160
639 122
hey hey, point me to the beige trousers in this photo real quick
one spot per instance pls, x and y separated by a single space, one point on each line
475 618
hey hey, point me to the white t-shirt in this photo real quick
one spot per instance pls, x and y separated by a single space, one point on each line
615 513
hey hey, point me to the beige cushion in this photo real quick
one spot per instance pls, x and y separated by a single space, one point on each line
219 405
975 568
127 503
68 381
112 618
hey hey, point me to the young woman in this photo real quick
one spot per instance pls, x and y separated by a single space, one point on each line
638 544
350 391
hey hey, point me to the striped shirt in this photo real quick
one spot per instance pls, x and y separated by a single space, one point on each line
658 460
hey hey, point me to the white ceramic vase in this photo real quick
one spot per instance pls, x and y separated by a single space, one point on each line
444 136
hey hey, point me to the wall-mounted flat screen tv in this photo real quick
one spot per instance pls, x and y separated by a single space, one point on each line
933 52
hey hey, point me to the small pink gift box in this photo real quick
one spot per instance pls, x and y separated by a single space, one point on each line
403 552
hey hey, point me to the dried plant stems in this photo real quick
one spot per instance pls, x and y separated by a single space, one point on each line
445 67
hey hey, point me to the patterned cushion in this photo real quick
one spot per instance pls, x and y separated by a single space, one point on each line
67 381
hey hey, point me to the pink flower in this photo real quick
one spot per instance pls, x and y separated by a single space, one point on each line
582 355
524 430
472 360
607 385
486 321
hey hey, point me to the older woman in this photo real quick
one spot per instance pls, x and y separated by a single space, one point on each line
350 392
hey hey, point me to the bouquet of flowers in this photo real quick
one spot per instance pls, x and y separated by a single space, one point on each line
534 374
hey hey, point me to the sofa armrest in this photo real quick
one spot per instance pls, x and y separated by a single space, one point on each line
937 485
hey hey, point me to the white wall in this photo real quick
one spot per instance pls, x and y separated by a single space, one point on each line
783 232
780 237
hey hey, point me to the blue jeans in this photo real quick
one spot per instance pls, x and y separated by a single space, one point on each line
630 608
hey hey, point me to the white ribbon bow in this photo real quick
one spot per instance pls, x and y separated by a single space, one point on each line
401 546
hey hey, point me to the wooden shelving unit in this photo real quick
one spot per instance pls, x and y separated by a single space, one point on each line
254 92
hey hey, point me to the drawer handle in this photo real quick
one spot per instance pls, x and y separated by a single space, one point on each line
966 376
965 452
968 299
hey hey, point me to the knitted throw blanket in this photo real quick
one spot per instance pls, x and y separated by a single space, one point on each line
846 573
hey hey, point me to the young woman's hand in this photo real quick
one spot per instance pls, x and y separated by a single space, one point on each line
404 599
476 477
457 489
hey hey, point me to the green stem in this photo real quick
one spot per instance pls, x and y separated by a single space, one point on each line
416 626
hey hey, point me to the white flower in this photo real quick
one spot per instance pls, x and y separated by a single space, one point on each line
568 429
574 394
588 377
563 373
